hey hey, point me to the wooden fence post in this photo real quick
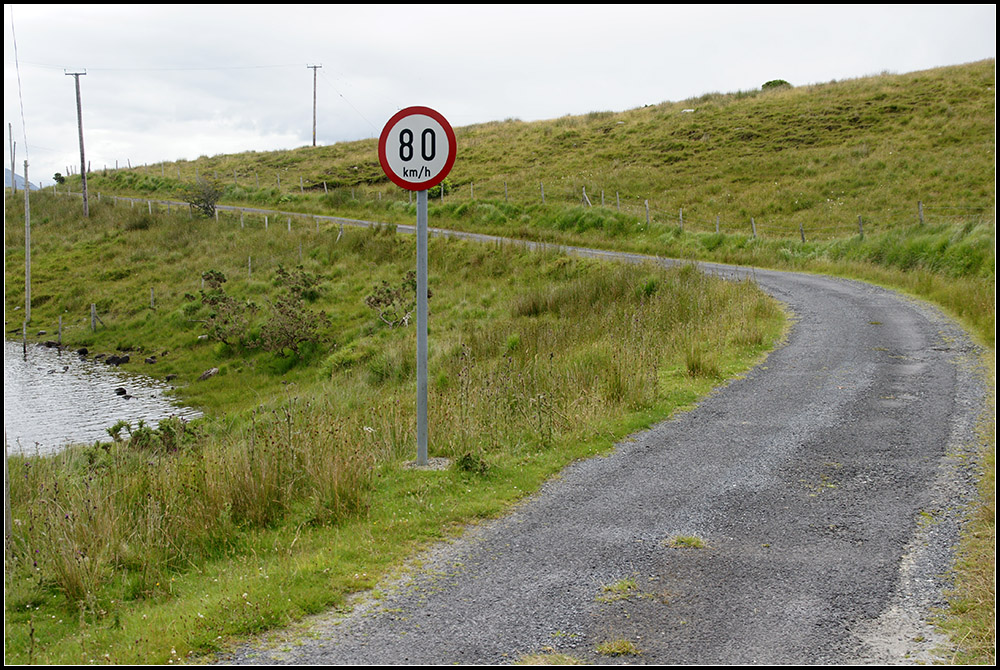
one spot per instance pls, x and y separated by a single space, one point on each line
753 227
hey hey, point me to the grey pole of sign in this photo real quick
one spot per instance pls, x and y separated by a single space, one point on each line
421 328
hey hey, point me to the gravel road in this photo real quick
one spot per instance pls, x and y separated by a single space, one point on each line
827 485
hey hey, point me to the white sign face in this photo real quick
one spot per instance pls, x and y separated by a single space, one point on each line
417 148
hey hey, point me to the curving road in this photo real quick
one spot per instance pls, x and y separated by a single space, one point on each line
826 483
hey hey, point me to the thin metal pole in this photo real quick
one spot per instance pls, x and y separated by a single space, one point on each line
421 328
13 170
27 246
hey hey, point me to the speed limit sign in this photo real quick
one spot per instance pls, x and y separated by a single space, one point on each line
417 148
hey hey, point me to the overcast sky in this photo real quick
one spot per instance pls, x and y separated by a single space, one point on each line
169 82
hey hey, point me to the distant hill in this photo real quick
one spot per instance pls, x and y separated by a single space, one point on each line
18 180
894 149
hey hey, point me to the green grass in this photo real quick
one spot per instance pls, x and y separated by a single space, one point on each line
293 492
619 590
618 646
687 542
815 156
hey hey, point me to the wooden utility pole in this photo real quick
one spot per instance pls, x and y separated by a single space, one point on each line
314 68
83 162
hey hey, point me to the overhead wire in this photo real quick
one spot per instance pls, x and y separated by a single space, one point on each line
20 95
337 91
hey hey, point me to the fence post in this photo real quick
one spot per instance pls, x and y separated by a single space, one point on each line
618 201
802 233
753 227
505 190
682 219
543 191
861 230
152 298
586 200
93 318
647 212
920 212
716 224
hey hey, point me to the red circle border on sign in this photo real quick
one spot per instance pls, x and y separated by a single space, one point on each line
452 149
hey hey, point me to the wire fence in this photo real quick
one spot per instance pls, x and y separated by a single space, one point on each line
650 210
306 225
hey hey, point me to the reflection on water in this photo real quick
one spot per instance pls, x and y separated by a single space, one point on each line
53 399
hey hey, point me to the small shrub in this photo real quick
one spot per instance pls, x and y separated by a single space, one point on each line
203 196
775 84
472 463
395 305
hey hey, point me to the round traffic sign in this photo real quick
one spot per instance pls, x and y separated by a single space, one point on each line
417 148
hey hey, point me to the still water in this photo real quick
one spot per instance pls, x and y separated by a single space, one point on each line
51 399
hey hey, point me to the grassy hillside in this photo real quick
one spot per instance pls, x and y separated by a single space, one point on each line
885 174
817 156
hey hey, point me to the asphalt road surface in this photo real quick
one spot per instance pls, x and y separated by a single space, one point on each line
826 485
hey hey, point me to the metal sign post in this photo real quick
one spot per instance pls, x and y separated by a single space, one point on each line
417 150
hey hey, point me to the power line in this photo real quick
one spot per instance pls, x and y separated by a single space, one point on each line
170 68
20 96
376 129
